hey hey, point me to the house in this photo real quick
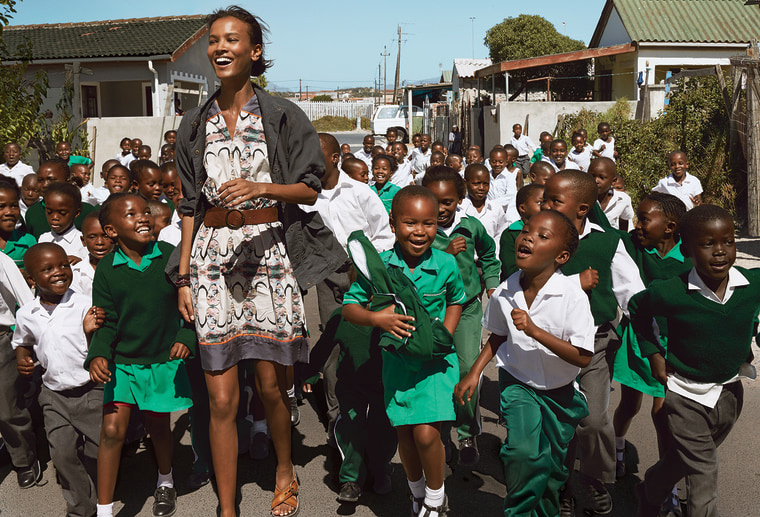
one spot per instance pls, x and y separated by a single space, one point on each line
668 36
124 68
464 84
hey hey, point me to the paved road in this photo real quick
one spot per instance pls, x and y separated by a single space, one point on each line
471 491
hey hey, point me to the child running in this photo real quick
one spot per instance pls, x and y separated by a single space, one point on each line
542 335
138 352
711 315
616 205
418 392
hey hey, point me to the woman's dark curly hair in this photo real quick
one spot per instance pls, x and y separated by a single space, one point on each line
257 29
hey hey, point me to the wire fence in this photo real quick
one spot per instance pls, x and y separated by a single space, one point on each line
317 110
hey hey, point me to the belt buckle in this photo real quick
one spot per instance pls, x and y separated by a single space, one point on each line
234 226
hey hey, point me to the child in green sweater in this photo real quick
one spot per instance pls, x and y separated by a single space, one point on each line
138 352
711 315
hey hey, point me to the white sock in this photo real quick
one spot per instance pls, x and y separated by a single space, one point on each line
292 392
434 498
260 426
620 442
417 487
165 480
105 510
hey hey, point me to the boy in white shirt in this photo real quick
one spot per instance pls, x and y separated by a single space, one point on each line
542 335
679 182
365 153
476 204
605 144
87 190
616 205
421 156
580 154
525 148
30 193
13 167
63 203
15 420
54 327
403 175
98 245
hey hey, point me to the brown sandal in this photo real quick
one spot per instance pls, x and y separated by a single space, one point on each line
289 496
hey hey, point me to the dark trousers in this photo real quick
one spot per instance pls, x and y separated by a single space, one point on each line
594 441
523 163
72 423
696 431
15 420
330 297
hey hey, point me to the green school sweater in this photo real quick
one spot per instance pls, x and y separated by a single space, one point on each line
507 249
707 341
478 242
17 245
596 251
142 319
386 193
37 223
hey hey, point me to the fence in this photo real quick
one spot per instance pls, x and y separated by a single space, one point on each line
317 110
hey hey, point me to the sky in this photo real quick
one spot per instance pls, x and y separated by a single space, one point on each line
333 44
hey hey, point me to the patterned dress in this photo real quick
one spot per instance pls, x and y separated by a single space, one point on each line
247 302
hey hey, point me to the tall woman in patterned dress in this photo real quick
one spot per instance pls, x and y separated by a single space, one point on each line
246 159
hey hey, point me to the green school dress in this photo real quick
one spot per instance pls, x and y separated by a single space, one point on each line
419 390
386 193
17 245
631 368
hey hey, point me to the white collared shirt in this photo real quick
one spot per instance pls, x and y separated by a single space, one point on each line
101 194
18 172
126 160
503 189
582 160
70 241
707 393
13 290
561 308
688 188
366 158
448 230
524 145
172 233
350 206
619 207
609 147
420 161
492 217
83 276
57 338
626 281
403 175
88 194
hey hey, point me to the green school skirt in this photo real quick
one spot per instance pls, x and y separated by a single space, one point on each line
632 370
160 388
420 395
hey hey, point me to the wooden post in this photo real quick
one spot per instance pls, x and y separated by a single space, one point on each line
723 88
753 151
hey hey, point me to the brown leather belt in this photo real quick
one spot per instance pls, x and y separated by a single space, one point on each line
220 217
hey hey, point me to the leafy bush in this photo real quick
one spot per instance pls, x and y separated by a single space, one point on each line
696 123
329 124
321 98
366 124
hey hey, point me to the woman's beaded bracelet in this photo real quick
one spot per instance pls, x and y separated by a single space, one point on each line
182 281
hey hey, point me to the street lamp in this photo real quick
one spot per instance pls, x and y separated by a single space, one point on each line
472 22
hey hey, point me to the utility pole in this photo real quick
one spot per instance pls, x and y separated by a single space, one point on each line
472 22
379 76
300 91
398 66
385 55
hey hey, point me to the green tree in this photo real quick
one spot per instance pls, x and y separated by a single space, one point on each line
322 98
7 10
531 36
261 81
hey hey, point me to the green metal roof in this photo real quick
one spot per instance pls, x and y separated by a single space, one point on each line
685 21
103 39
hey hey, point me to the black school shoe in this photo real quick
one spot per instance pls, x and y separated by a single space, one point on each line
349 492
468 452
165 503
29 476
295 413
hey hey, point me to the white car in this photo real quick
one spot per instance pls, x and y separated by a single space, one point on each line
392 115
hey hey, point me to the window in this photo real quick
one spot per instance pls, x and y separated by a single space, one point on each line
90 101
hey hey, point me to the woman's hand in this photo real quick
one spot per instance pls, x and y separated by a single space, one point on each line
179 351
185 304
234 192
99 370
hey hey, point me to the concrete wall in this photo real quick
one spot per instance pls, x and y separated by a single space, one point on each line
106 133
542 116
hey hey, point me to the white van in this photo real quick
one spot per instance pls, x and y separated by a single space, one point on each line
393 116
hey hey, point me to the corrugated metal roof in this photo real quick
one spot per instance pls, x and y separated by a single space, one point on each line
689 21
111 38
468 67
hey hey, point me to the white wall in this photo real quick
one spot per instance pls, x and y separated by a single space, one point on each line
106 134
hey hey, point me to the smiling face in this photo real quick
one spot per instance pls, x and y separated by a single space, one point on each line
148 183
12 154
170 184
541 244
399 152
478 184
517 130
95 239
81 171
117 180
652 225
381 171
558 152
578 143
498 160
171 137
9 211
391 135
130 223
473 156
60 211
63 150
448 200
604 132
50 269
678 165
135 146
414 223
425 143
713 251
230 49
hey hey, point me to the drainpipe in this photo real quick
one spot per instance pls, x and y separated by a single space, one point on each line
155 99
